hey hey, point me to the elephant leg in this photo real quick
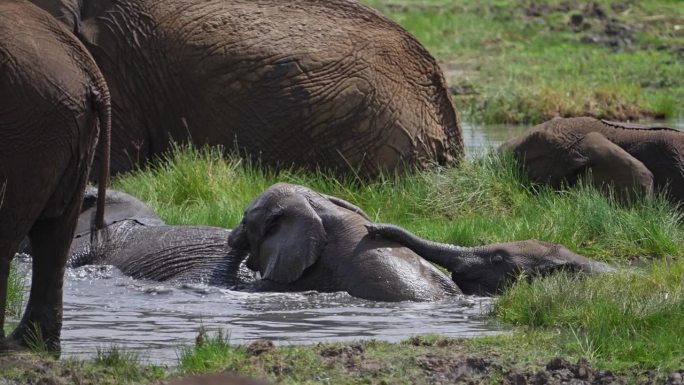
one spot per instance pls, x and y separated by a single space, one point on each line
612 165
50 241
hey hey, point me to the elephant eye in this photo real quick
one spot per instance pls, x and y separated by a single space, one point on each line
497 258
271 223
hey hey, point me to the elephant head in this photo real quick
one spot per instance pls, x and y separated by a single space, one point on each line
299 239
487 270
283 233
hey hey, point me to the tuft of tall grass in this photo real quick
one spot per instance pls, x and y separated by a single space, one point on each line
116 358
212 352
124 366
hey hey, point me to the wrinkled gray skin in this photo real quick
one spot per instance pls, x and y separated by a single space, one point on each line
635 160
311 83
299 239
54 104
137 242
487 270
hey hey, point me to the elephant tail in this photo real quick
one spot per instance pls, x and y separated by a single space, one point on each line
104 112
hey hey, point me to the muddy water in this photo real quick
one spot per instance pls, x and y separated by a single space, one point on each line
104 308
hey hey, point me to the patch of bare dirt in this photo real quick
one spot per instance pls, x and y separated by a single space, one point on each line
560 371
347 355
260 347
457 369
215 379
602 25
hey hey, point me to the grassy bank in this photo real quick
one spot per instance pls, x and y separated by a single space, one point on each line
514 61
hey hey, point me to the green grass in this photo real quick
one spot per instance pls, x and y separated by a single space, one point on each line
212 353
522 68
484 201
16 290
628 319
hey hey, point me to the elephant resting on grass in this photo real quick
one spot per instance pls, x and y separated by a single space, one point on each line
487 270
54 104
329 83
633 159
137 242
299 239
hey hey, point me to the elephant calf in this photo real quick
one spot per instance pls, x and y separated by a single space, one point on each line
633 159
299 239
137 242
487 270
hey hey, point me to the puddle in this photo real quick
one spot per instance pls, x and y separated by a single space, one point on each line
104 308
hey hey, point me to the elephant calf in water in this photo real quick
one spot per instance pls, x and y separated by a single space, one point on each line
141 245
487 270
633 159
299 239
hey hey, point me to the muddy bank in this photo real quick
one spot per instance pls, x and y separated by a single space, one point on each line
417 360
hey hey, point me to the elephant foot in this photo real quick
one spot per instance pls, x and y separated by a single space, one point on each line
11 346
34 339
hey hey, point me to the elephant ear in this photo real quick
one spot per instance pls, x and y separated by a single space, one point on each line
292 241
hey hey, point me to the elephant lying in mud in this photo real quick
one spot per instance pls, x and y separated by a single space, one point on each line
487 270
137 242
323 83
633 159
54 105
299 239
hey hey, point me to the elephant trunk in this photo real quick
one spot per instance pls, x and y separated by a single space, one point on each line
237 240
442 254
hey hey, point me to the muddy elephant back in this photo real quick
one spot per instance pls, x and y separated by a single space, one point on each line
329 84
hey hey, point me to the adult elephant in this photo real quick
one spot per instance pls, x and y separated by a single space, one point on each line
487 270
310 83
634 160
137 242
53 103
298 239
